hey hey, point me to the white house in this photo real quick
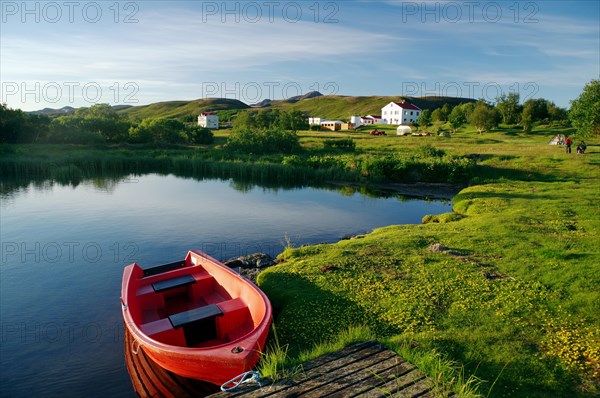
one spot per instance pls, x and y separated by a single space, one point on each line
356 121
371 119
209 120
315 120
400 113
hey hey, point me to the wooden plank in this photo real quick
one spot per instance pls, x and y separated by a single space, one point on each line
376 376
338 374
349 350
325 364
396 384
419 389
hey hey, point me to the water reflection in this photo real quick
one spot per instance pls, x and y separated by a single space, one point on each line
65 239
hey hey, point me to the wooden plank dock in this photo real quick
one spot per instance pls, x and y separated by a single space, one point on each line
360 370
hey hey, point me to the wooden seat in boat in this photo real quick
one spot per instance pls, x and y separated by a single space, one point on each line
172 283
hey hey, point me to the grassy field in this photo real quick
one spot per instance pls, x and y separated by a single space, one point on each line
499 298
506 288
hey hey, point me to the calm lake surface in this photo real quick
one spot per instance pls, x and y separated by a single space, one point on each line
64 248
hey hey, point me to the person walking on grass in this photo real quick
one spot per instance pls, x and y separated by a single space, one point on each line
568 143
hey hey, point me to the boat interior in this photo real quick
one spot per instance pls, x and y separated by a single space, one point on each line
186 306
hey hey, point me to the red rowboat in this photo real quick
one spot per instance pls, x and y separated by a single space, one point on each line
196 318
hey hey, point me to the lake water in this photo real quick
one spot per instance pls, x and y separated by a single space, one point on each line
64 248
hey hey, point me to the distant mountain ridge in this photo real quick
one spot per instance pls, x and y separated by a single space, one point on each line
65 110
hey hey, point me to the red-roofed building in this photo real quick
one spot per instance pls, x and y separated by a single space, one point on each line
400 113
209 120
358 121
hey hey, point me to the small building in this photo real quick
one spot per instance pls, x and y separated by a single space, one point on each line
371 119
333 125
209 120
400 113
403 130
357 121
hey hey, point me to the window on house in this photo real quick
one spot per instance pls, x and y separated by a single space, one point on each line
411 112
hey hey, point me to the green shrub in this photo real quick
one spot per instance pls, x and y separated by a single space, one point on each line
263 141
340 144
429 151
199 135
442 218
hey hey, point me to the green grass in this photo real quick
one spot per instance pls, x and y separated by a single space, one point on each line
514 300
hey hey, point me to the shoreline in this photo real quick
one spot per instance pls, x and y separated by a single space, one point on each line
431 190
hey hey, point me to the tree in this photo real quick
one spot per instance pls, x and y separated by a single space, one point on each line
508 107
445 112
437 116
104 120
457 118
199 135
484 117
245 120
556 113
534 110
425 118
467 108
11 121
585 110
293 121
71 130
159 130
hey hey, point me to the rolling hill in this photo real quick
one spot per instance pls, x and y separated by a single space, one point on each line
342 107
314 104
182 109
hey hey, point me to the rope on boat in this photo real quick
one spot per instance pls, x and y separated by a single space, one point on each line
135 349
246 377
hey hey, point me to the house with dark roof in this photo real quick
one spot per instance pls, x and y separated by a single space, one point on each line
400 113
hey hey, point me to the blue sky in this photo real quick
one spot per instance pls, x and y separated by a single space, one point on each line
77 53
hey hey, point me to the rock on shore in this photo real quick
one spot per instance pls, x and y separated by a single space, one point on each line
251 265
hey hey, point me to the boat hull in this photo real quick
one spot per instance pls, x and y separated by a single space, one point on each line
197 319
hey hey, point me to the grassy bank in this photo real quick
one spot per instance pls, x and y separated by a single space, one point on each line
501 294
505 288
